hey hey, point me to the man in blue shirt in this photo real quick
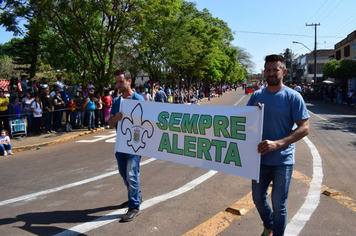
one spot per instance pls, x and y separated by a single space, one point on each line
129 164
285 121
160 96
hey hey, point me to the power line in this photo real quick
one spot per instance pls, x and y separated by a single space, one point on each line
307 36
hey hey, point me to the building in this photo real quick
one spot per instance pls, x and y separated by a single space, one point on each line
303 66
346 48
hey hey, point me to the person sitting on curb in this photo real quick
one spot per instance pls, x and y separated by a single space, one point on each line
5 144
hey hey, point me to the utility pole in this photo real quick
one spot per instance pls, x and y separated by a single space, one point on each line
315 25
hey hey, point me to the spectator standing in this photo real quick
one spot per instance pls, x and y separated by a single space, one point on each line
68 95
4 112
59 105
13 88
36 108
107 102
24 82
5 144
98 110
80 100
26 103
72 110
89 108
160 95
146 95
48 109
61 86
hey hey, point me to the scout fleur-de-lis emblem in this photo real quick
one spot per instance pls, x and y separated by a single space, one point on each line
136 128
136 135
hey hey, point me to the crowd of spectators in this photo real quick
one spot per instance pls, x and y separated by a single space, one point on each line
326 92
63 107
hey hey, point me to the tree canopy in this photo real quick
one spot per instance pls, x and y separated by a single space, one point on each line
169 39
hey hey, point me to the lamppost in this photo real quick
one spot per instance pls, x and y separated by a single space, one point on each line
314 58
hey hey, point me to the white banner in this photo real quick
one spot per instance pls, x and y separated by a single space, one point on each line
222 138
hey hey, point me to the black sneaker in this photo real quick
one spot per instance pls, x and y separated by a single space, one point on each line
131 214
125 204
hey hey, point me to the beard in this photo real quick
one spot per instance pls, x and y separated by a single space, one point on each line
273 80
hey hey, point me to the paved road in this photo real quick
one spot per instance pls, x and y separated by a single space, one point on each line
73 188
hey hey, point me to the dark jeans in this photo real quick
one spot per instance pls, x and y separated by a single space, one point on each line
99 116
73 118
4 117
37 124
48 121
57 119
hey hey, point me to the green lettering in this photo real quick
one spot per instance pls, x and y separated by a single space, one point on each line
173 121
220 125
218 146
233 155
189 143
165 144
204 146
175 148
190 124
234 127
162 118
205 122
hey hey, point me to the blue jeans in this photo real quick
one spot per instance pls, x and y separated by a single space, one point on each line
275 218
80 121
4 147
129 168
91 119
73 118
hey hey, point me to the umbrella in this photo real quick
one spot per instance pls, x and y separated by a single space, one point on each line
327 82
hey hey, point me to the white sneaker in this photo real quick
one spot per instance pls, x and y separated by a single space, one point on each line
5 153
10 152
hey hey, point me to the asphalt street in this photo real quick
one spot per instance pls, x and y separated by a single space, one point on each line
73 187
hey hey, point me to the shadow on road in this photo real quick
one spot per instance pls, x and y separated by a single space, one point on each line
34 220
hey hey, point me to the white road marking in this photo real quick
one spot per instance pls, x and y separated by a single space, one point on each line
114 216
97 138
34 195
239 100
312 200
112 140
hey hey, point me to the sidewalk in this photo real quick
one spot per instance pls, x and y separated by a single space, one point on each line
36 142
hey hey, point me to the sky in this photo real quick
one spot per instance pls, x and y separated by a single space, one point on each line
269 27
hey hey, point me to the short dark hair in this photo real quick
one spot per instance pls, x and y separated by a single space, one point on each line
124 72
274 58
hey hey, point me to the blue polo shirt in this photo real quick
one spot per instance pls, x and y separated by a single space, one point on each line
116 102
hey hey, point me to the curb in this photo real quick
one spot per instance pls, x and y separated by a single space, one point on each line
37 146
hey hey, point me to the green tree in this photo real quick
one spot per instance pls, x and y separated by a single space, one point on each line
330 69
93 29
